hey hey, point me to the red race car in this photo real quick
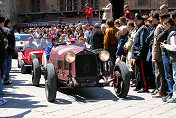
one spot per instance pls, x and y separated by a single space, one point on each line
32 54
71 66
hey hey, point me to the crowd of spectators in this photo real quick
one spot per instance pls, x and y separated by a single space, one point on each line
147 44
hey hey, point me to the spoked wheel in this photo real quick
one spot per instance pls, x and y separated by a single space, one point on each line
121 81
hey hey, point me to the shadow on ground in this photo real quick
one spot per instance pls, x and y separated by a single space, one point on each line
85 95
21 115
20 101
132 97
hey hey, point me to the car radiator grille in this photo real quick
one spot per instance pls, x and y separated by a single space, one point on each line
86 65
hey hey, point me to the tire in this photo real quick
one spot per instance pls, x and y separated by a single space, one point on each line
36 72
50 83
23 68
123 86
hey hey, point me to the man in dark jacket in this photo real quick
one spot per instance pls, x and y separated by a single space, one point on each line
2 52
139 53
10 49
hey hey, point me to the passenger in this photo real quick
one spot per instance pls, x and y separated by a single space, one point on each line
43 44
49 47
30 45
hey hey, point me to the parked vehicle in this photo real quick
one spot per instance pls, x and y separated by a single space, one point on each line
20 38
71 66
31 57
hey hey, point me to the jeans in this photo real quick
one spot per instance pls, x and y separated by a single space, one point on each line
153 67
9 65
90 21
1 84
168 74
174 77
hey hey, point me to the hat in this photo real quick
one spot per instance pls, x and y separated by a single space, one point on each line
138 17
73 39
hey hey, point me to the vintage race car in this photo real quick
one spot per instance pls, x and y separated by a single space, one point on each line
71 66
32 53
19 45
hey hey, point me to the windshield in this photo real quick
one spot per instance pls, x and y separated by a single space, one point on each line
36 44
22 37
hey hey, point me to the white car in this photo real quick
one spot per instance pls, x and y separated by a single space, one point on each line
20 38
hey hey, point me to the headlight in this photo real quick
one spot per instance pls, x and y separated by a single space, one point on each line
70 57
33 56
104 55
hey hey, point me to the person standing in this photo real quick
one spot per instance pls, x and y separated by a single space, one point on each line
127 12
169 27
89 14
2 58
107 12
111 42
157 59
139 54
128 46
171 49
10 49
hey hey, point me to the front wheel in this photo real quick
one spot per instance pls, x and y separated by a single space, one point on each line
36 72
121 79
50 83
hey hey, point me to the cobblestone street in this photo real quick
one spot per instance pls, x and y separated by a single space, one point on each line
25 100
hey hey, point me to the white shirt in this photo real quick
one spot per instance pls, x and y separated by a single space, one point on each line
172 45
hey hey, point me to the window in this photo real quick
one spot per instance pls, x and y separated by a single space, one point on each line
172 3
142 2
35 5
96 4
71 5
62 5
83 2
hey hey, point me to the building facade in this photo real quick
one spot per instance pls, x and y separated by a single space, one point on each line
25 11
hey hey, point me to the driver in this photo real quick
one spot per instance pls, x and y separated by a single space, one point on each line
43 44
31 45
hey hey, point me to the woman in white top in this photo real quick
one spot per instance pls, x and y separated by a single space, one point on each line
107 12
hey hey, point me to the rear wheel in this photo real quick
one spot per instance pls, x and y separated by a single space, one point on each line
23 68
36 72
50 83
121 79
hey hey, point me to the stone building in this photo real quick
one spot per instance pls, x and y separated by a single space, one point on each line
25 11
145 6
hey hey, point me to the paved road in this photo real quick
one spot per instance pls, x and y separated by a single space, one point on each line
25 100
